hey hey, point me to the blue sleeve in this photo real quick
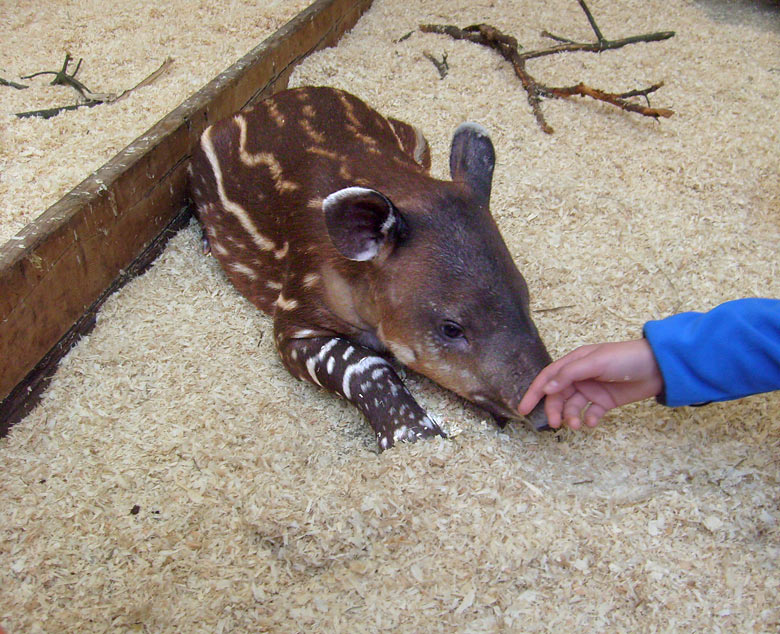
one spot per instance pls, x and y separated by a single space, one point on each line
730 352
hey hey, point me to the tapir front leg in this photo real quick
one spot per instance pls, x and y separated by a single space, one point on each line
366 380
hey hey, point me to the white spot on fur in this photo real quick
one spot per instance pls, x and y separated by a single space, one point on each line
366 363
286 304
331 365
231 207
401 433
280 253
310 367
273 111
274 286
313 134
310 279
349 110
326 348
262 158
369 142
319 151
243 269
218 248
311 364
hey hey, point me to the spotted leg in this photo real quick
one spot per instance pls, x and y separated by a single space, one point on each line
366 380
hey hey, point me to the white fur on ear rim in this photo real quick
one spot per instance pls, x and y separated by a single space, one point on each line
353 216
476 128
348 192
472 158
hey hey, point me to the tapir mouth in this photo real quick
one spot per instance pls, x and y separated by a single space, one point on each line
502 414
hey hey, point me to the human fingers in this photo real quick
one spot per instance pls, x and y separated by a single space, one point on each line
536 390
546 381
553 407
572 410
593 414
585 368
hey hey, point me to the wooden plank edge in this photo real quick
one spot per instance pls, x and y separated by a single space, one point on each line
25 394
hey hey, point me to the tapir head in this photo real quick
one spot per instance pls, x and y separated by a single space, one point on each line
443 292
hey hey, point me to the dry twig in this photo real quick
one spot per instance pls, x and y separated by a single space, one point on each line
442 66
507 46
91 99
12 84
61 77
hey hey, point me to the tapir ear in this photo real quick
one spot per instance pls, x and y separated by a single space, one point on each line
472 158
360 222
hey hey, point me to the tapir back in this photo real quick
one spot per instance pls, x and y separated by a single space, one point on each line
259 179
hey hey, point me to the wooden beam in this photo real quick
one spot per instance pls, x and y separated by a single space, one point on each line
58 268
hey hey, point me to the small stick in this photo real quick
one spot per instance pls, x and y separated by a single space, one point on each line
509 49
12 84
570 46
94 99
593 24
61 77
507 46
48 113
616 100
147 80
552 309
442 66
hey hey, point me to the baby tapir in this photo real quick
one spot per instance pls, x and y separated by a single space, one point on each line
322 212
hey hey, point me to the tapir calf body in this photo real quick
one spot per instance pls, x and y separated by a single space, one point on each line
322 213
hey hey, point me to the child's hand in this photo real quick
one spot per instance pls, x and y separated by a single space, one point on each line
589 381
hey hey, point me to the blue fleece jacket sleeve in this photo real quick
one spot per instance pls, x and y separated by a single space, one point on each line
730 352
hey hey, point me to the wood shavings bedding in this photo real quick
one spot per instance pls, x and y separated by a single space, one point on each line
41 160
176 478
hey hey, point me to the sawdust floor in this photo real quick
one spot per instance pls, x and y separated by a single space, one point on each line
43 159
175 478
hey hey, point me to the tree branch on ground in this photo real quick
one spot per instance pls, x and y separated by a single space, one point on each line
90 99
12 84
508 47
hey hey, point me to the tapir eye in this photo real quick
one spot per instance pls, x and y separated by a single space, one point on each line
451 330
